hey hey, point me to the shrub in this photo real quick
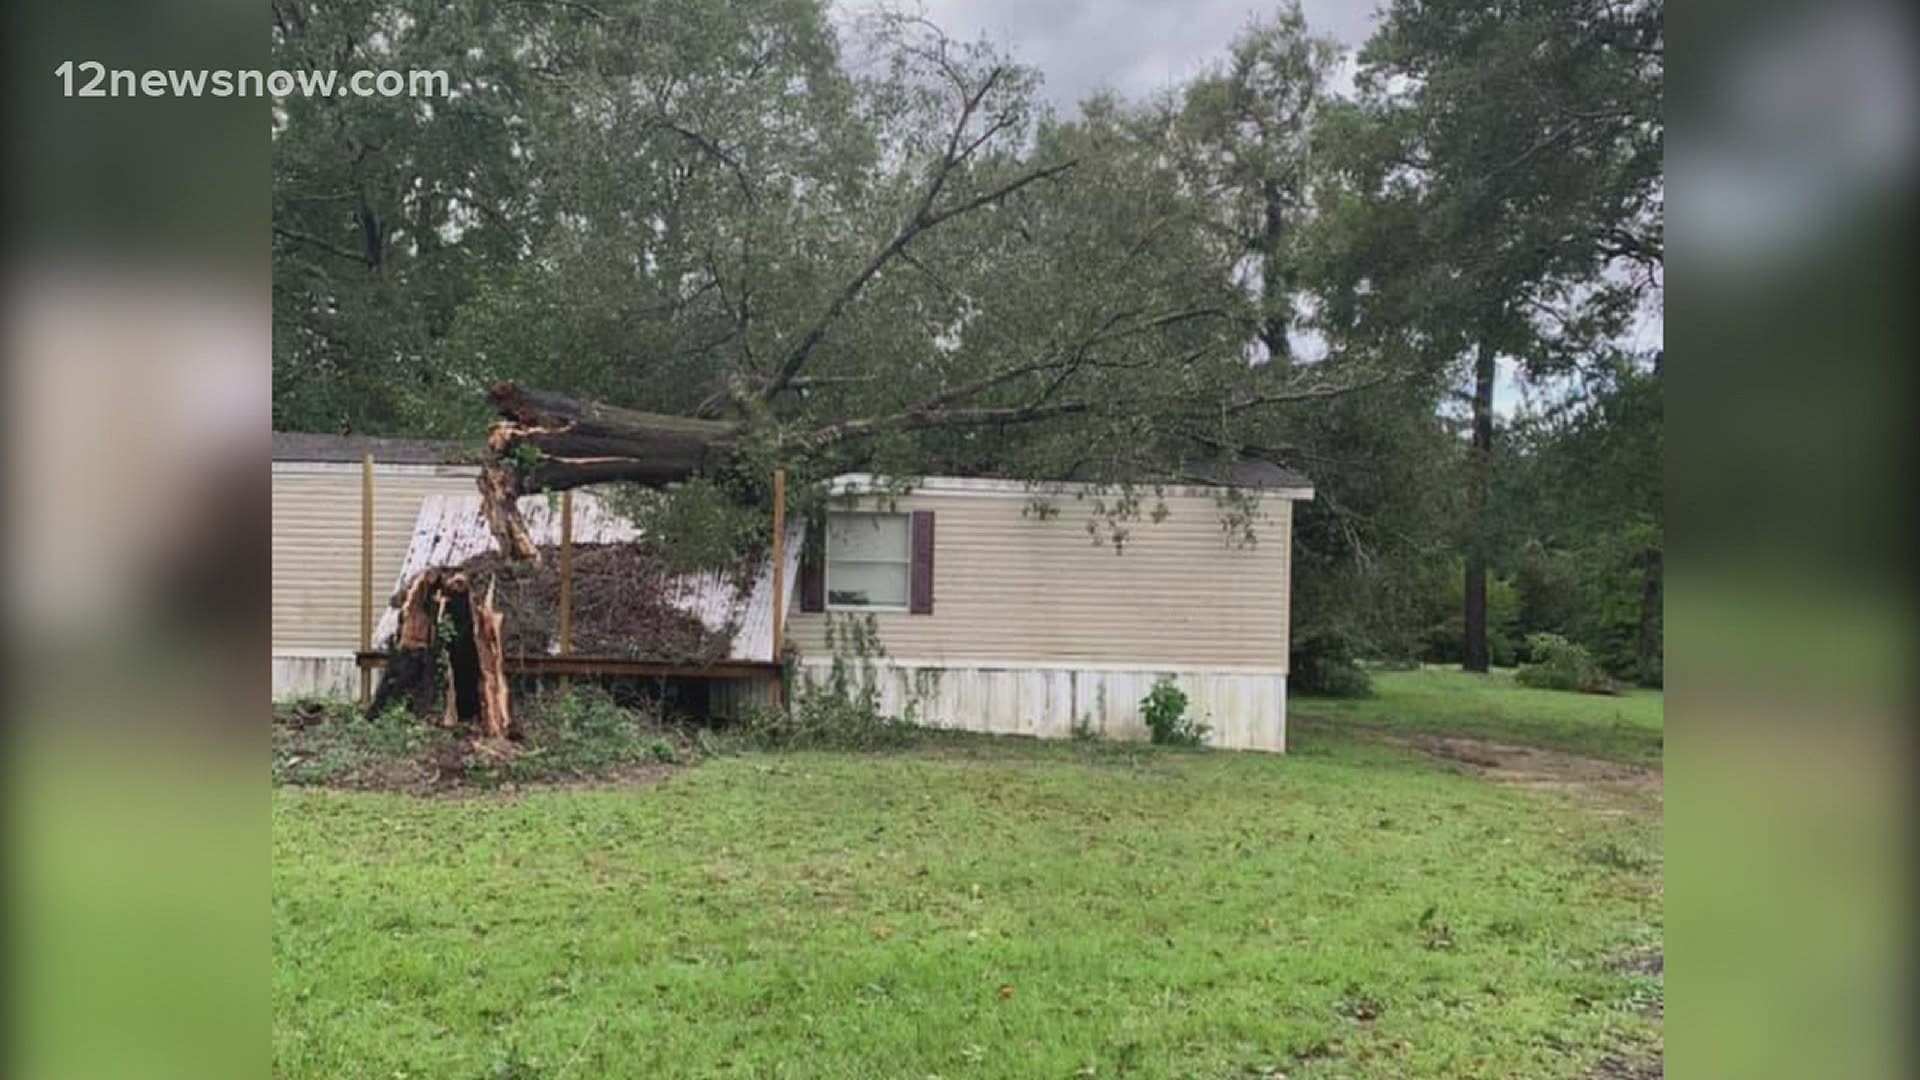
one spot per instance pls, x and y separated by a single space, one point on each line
578 733
1325 665
831 716
329 742
1165 711
573 735
1559 664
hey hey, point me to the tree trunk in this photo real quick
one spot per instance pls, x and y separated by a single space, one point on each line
496 713
409 676
473 682
546 442
1475 654
1276 300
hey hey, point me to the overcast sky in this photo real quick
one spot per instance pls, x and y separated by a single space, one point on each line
1135 47
1141 47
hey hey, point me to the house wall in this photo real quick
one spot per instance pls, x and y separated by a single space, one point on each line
1012 589
316 561
1034 625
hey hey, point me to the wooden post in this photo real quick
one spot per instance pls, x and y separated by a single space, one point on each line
366 574
566 583
779 575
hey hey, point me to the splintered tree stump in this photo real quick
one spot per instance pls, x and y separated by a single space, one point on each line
440 616
495 714
411 663
463 657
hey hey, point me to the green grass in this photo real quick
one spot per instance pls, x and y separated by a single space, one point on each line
1626 727
970 908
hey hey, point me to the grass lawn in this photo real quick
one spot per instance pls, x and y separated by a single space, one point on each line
971 908
1446 701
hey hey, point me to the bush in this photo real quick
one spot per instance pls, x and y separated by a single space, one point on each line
1559 664
1325 665
1165 711
833 716
582 733
329 742
574 735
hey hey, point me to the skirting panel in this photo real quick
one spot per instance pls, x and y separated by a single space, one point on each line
316 674
1247 711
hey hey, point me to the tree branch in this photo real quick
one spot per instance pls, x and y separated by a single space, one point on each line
713 150
324 245
995 195
924 419
1312 393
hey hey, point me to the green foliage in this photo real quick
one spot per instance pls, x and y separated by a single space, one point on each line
701 524
1442 593
1546 585
632 203
313 708
1327 665
1165 711
1495 193
1558 664
320 741
581 734
1582 483
841 710
1245 133
524 457
826 717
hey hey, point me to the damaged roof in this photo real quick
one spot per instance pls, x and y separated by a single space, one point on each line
449 531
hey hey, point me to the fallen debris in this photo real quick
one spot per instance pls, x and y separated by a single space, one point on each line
623 606
459 626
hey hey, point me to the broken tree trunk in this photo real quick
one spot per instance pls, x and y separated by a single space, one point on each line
440 614
409 676
546 442
496 715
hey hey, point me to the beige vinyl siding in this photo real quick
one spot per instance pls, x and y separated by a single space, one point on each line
316 544
1012 588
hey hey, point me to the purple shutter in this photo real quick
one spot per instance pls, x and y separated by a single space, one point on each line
921 602
813 569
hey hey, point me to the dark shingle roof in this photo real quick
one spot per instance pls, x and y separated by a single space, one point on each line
1247 473
314 446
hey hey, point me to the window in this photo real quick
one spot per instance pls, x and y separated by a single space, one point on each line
869 560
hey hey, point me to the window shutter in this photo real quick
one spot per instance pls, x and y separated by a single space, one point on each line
921 602
813 568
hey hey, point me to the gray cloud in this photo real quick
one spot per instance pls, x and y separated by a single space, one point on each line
1134 47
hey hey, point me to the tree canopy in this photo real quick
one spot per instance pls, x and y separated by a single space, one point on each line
867 245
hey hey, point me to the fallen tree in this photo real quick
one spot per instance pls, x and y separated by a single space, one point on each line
546 442
1146 348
